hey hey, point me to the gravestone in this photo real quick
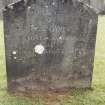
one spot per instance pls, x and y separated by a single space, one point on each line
50 45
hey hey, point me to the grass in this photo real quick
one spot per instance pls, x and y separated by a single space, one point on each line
74 97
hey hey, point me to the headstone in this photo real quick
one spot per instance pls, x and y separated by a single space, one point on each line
50 45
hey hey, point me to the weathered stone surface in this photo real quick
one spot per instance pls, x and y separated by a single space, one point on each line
97 5
1 7
49 44
8 2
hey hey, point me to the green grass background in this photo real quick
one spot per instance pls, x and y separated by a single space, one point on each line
75 97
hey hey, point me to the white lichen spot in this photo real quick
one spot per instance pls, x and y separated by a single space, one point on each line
46 6
53 3
39 49
15 57
29 7
60 38
14 52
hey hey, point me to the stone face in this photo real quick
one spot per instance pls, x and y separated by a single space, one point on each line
49 44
